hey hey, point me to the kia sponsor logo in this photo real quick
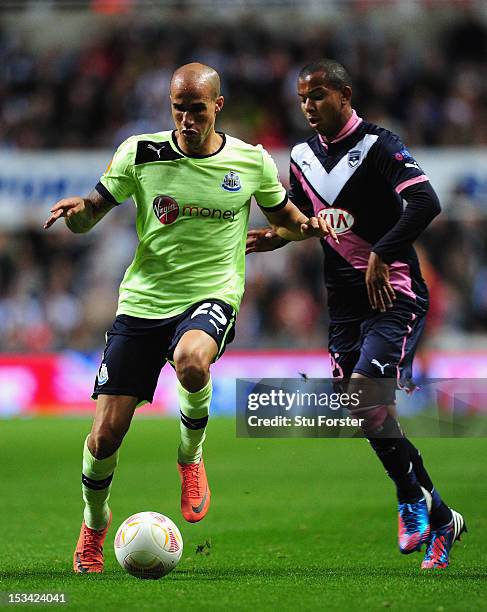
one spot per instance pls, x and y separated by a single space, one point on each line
337 218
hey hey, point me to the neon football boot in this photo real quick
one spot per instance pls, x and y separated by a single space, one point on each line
88 556
195 492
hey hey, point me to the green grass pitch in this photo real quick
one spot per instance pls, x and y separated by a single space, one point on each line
294 524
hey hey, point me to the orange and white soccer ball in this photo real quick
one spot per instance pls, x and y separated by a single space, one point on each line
148 545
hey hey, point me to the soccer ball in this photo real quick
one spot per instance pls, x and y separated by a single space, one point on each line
148 545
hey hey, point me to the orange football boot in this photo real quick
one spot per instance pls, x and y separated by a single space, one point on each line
88 556
195 492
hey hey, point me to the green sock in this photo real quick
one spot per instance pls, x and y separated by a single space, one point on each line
96 483
194 408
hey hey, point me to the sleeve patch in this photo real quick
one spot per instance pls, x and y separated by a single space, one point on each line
402 154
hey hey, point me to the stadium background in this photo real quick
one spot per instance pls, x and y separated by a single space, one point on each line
76 78
307 524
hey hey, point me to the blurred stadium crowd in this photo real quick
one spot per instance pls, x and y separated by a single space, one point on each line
117 85
59 291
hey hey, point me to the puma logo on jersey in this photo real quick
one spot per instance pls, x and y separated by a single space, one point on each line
149 151
379 365
413 165
157 150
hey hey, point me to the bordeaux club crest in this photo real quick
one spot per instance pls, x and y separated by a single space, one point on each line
354 158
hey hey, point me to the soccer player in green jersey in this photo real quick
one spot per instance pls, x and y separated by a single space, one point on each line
179 297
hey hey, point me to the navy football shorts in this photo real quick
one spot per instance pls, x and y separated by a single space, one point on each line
382 346
137 349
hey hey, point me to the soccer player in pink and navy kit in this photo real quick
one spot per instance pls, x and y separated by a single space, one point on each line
355 175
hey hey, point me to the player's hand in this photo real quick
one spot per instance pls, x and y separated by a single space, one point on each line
65 208
260 240
380 291
317 226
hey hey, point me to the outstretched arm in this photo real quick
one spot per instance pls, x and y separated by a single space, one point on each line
80 214
263 239
289 223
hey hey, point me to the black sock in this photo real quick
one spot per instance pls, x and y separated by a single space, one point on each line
418 466
440 513
391 448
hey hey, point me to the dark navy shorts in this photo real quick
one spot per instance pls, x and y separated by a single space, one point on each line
382 346
137 349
